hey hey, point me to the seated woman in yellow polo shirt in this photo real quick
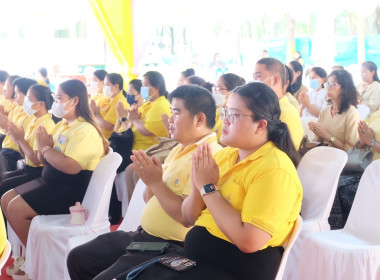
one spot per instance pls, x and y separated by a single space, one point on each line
20 119
95 86
37 102
7 104
106 117
246 199
69 154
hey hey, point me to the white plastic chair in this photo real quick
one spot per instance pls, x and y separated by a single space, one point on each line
122 192
48 235
5 255
363 111
288 247
130 223
353 252
319 172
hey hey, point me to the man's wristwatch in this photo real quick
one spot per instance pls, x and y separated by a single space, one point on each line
207 189
123 119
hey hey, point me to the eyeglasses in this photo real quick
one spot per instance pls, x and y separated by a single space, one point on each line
327 85
229 116
217 89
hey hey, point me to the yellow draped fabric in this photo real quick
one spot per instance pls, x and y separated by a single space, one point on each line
115 19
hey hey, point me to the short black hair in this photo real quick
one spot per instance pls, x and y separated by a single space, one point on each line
137 84
100 74
3 76
23 84
43 93
274 66
196 100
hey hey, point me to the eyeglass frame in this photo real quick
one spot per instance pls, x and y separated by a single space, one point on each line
230 116
333 84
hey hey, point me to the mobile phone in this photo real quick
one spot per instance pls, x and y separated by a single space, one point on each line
177 262
148 247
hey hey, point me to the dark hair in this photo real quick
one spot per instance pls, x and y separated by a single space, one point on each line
371 66
196 100
100 74
297 67
319 71
231 81
76 88
198 81
349 94
136 83
11 79
44 73
264 104
156 80
3 76
43 93
23 84
117 79
188 72
289 77
275 67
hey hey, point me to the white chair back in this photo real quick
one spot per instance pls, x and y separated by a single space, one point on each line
135 209
98 194
292 238
363 111
363 219
319 172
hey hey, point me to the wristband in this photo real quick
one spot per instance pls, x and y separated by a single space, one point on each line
44 149
207 189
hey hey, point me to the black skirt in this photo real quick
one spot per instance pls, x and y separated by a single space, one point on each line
55 191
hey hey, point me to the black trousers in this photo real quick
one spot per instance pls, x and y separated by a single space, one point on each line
11 157
217 259
106 257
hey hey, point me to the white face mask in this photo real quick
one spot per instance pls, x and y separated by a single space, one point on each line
107 91
58 109
28 106
219 99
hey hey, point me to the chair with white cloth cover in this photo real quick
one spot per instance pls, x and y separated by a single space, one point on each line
363 111
319 172
130 223
49 234
122 192
288 247
353 252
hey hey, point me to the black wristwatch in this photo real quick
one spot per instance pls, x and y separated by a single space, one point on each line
207 189
123 119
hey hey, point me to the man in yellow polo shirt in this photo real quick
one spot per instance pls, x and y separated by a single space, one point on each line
191 123
272 72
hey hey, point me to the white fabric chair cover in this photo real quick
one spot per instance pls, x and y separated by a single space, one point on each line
354 251
48 235
288 247
306 129
319 172
363 111
130 223
122 192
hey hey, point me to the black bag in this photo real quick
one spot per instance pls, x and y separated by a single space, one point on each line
121 143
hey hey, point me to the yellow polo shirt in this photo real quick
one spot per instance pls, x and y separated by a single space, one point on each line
291 117
101 100
3 233
264 188
109 112
151 116
8 106
20 118
218 125
80 141
293 101
176 176
30 133
374 123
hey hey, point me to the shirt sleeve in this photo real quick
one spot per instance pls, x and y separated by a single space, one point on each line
153 121
84 145
270 200
374 99
351 129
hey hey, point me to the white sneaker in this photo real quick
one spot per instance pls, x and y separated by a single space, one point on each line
19 261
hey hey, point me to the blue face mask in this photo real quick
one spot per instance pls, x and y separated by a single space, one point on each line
131 99
314 84
144 91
